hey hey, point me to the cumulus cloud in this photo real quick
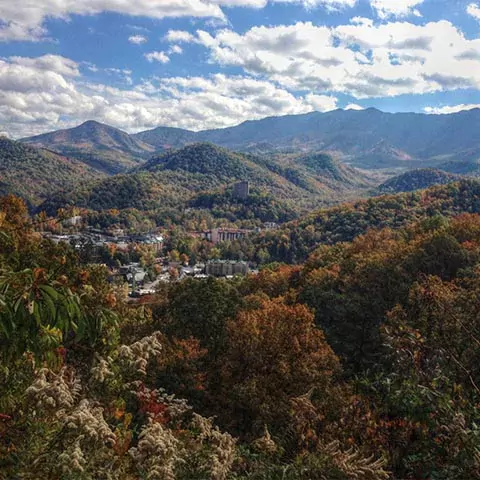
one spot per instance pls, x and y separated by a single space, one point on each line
360 59
354 106
328 4
25 20
474 10
53 63
137 39
161 57
450 109
179 36
35 98
177 49
396 8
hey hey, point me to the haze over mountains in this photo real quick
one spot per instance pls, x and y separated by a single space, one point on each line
367 138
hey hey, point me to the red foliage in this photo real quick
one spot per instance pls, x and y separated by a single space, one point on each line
151 405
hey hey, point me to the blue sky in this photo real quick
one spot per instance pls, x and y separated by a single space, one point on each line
213 63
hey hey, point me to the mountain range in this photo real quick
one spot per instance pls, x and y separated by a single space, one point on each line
104 148
299 161
174 179
368 139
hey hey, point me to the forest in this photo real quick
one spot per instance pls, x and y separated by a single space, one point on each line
362 362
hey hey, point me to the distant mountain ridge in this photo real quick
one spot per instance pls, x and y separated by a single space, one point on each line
104 148
368 139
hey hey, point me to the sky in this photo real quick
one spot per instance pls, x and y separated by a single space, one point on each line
199 64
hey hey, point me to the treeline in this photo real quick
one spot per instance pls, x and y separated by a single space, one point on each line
363 363
296 240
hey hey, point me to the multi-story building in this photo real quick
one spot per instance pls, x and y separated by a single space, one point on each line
226 268
241 190
222 234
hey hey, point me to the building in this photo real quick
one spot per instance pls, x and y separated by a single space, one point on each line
116 232
73 221
226 268
133 274
241 190
155 241
270 225
225 234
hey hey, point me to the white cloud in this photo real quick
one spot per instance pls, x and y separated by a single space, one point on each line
321 103
179 36
175 49
161 57
328 4
35 99
58 64
396 8
354 106
360 59
450 109
24 20
137 39
474 10
122 73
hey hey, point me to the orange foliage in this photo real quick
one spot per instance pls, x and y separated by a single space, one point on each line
273 353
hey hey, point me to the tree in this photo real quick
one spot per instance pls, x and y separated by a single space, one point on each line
274 353
200 309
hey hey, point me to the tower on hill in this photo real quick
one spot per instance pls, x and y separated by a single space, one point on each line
241 190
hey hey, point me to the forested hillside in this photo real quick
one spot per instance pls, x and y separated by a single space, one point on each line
175 178
104 148
295 240
34 173
362 363
463 167
416 180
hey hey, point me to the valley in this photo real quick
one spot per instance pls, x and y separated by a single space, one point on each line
249 249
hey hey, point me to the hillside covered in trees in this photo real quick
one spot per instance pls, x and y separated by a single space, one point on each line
416 180
176 178
362 363
295 241
35 173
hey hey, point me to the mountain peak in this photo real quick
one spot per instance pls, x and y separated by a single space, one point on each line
204 158
105 148
94 123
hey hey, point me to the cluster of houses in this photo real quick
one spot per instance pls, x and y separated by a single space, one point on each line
140 284
216 235
139 281
99 238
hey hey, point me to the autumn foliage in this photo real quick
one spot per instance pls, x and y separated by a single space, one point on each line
362 363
